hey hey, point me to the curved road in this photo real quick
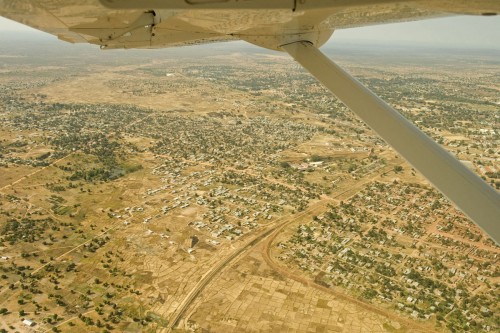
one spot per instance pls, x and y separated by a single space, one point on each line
266 254
208 276
274 230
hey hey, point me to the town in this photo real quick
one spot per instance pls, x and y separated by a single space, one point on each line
143 193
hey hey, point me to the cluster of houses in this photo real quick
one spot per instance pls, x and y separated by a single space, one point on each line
375 241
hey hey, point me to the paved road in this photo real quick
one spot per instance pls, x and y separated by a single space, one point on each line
208 276
271 230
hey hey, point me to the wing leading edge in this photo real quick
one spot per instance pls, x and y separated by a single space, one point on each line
158 23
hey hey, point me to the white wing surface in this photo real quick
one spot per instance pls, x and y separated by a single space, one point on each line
163 23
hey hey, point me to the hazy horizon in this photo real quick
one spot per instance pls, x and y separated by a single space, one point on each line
463 32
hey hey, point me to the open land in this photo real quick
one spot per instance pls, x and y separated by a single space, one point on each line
222 189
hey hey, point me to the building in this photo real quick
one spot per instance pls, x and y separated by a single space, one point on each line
29 322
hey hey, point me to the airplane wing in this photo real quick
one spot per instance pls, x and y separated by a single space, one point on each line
164 23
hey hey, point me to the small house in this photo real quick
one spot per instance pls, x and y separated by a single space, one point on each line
29 322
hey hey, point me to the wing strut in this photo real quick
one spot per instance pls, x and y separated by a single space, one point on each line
470 193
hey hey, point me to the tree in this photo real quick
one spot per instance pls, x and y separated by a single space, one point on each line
285 165
369 293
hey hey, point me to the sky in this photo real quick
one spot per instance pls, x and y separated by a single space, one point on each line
457 31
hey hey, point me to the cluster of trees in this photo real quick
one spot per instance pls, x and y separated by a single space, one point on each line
96 174
25 229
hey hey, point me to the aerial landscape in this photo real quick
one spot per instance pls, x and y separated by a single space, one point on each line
221 188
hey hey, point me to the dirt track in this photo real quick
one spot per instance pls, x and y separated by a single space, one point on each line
269 235
266 254
208 277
